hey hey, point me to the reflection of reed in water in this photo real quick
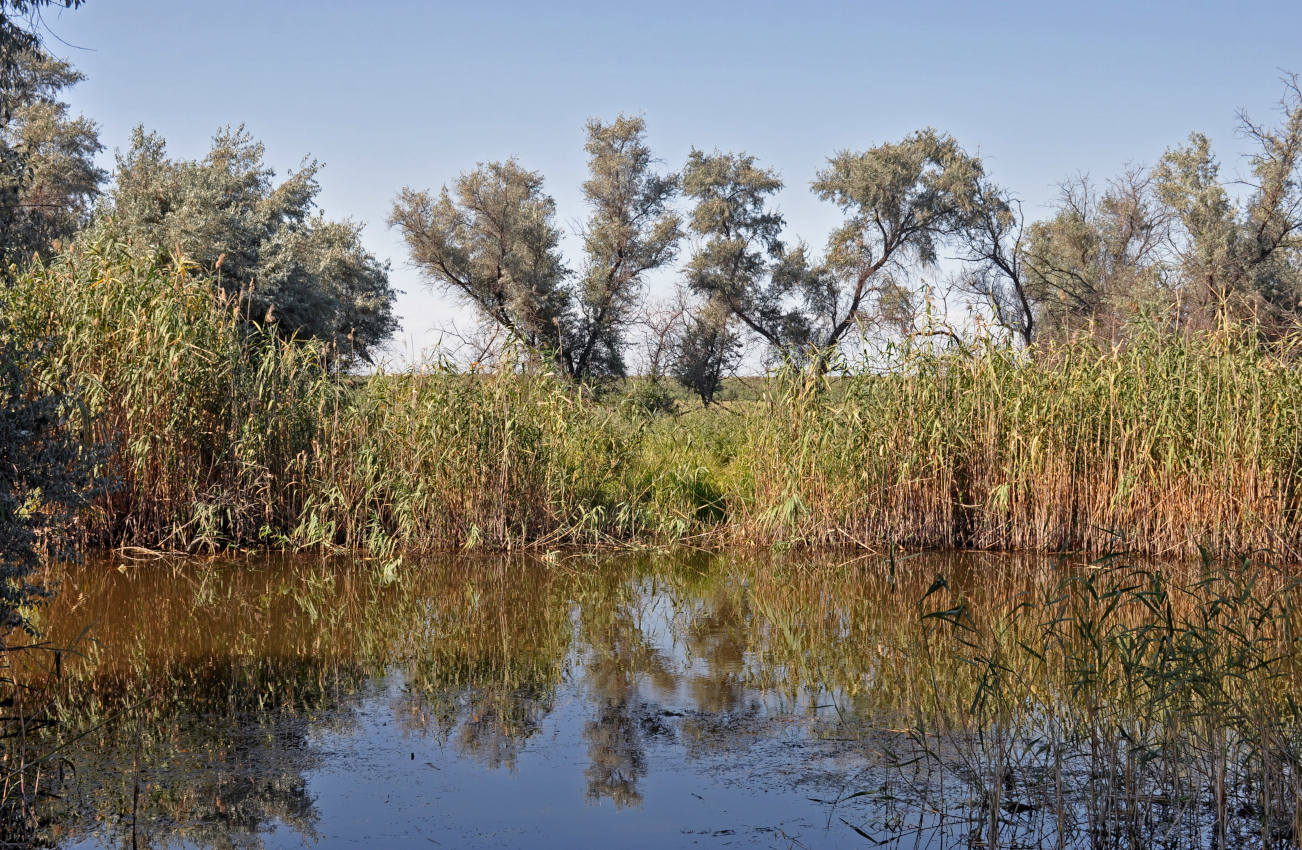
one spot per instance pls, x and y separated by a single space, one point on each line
616 754
1023 700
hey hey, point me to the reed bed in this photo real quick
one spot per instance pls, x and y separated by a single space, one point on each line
222 435
226 436
1175 443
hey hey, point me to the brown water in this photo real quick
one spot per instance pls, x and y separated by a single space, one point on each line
574 701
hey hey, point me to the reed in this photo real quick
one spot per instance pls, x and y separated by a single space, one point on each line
224 436
1179 443
1120 701
203 417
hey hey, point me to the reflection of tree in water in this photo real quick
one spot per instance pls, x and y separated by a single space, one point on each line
620 657
488 723
496 726
482 670
716 632
616 758
207 769
717 636
482 649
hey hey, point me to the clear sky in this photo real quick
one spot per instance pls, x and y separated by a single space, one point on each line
389 94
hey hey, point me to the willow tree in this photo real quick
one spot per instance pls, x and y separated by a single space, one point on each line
48 176
740 263
707 350
296 272
631 231
994 271
491 239
900 201
1238 260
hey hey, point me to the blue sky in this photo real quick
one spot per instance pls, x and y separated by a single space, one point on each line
389 94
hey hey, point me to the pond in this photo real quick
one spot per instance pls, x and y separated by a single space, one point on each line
649 700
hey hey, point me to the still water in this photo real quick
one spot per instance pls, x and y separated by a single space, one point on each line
568 701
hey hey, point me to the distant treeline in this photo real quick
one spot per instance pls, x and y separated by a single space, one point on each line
1175 246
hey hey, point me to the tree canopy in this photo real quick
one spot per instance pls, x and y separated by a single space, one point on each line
900 201
492 240
631 231
1176 243
296 271
48 176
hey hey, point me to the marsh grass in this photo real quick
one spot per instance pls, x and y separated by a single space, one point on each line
224 436
1179 443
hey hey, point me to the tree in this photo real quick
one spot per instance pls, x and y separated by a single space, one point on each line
48 177
662 323
900 200
297 272
1099 260
993 251
740 263
1272 220
708 350
630 232
492 241
19 22
1239 262
1171 242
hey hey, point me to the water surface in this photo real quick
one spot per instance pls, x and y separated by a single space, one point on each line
574 700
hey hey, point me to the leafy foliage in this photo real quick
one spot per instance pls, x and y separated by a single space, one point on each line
492 240
741 265
630 232
296 272
1177 244
46 475
48 176
900 200
707 352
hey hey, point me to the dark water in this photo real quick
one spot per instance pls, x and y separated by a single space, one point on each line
575 701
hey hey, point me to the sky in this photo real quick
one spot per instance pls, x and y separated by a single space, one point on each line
390 94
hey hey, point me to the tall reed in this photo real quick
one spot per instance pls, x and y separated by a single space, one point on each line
1175 442
224 435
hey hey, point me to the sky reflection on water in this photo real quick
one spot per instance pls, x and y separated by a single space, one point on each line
659 700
